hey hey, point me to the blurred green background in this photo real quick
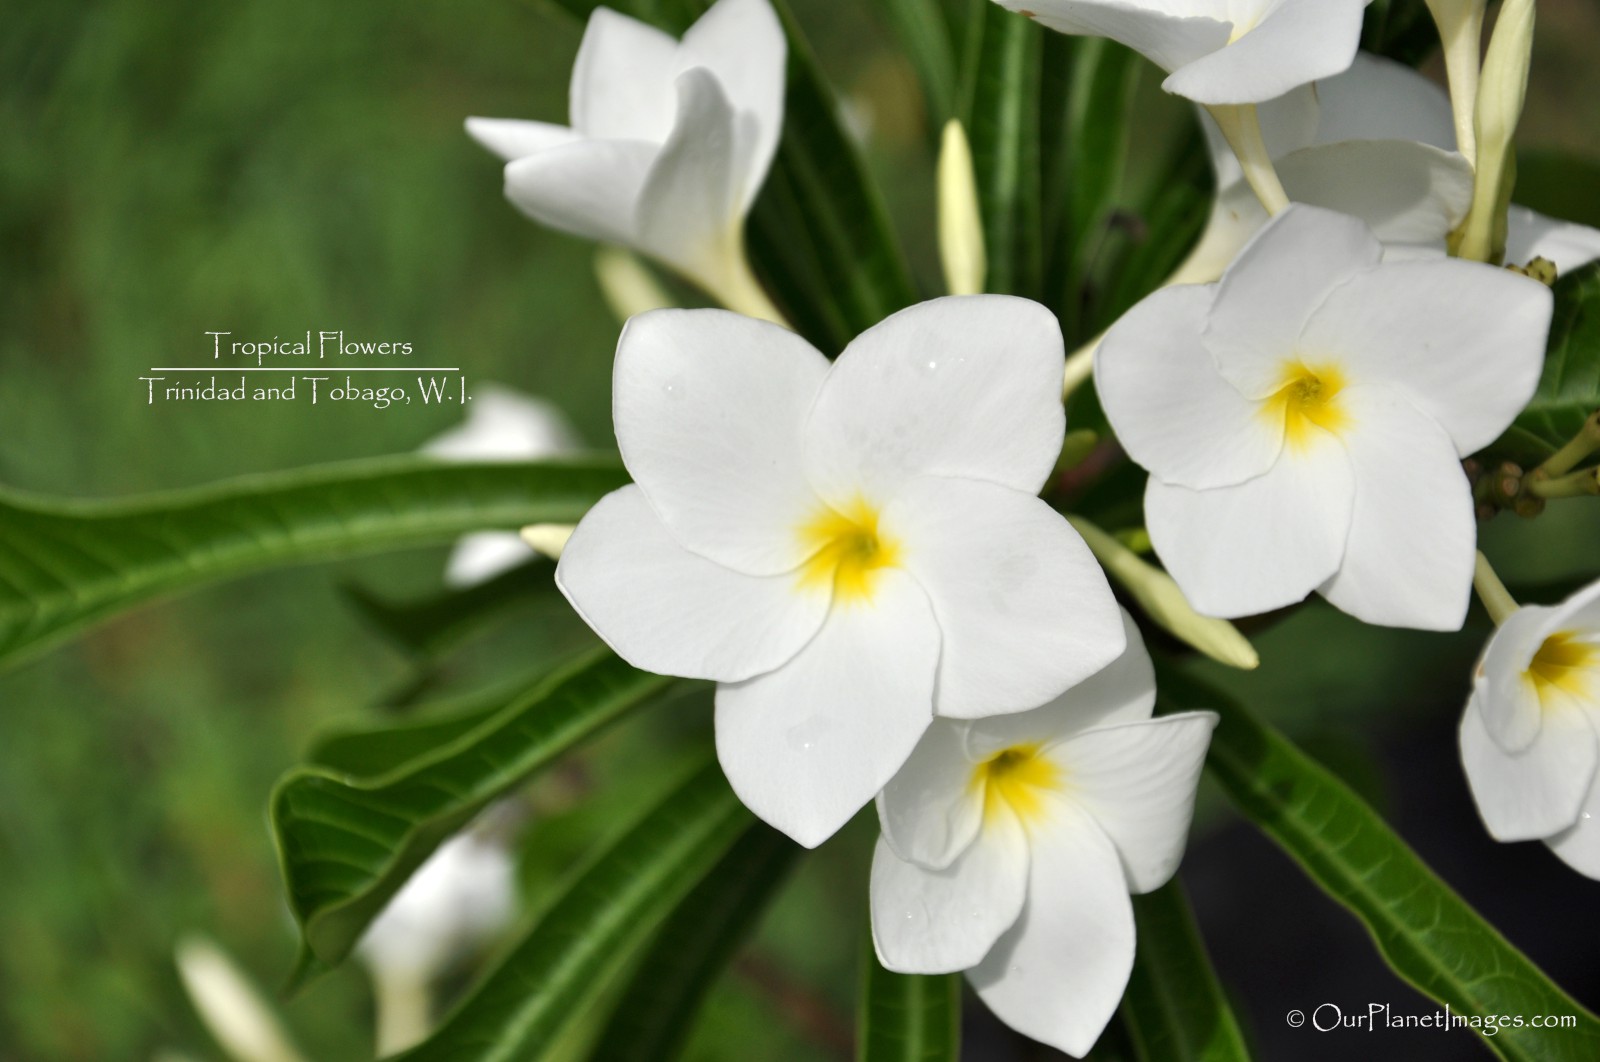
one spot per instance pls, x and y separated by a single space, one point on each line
272 167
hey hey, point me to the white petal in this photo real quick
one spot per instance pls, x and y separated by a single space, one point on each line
1534 793
1463 341
589 188
1406 193
1579 844
1509 705
742 43
1413 535
1024 609
1261 545
1058 974
1138 781
1171 409
941 921
481 556
689 211
1298 41
622 80
1568 245
1125 692
930 811
1273 287
1380 99
709 407
666 610
965 386
1167 39
503 425
511 138
806 746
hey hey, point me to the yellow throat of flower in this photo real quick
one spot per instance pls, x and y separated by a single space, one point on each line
1017 778
848 550
1307 398
1565 664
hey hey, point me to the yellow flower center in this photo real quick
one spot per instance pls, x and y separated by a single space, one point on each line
1017 778
849 551
1307 398
1564 664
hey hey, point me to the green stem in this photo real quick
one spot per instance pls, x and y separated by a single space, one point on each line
1584 443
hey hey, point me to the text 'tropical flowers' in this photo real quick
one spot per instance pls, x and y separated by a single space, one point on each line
1010 845
1303 420
845 549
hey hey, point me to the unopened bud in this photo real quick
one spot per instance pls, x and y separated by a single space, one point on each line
961 248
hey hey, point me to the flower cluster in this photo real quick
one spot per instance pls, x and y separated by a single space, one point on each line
857 554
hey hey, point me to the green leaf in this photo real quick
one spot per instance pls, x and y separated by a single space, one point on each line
1569 390
65 564
1001 113
562 966
1174 1009
347 842
1088 121
907 1018
1426 932
652 1019
924 33
430 626
819 235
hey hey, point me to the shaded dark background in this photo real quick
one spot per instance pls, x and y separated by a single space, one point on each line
268 168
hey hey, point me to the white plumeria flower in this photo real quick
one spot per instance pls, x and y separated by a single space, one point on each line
460 898
669 142
1378 143
1375 142
1219 52
1010 846
1529 735
1303 420
845 549
501 425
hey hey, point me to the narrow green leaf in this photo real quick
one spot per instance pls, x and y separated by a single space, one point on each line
562 966
907 1018
819 235
924 33
1427 933
1001 112
652 1019
65 564
371 748
346 843
433 625
1174 1009
1569 390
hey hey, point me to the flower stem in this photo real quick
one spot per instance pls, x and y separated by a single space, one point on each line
1577 485
1492 592
1080 367
1242 128
404 1005
1158 594
739 290
1584 443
